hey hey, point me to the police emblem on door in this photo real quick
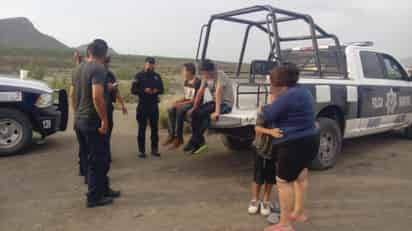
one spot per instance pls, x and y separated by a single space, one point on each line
391 102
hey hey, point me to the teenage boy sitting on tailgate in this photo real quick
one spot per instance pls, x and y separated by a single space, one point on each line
220 86
179 109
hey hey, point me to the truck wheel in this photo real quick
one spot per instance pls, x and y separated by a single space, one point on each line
237 143
15 132
330 144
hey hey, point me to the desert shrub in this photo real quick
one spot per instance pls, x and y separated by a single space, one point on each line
36 71
124 88
125 73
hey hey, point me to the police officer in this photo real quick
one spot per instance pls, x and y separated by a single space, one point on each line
148 85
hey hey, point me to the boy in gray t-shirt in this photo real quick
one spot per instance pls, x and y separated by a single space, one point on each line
221 89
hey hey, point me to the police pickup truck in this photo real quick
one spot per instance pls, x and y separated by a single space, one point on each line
26 106
358 90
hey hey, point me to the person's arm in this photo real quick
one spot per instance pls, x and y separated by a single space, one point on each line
120 100
199 97
274 132
219 92
98 84
100 106
72 97
272 111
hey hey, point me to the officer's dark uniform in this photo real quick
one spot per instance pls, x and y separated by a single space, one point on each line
147 107
112 99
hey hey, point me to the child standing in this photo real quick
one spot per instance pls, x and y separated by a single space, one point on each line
265 163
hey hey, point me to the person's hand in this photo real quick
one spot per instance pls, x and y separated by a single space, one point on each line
124 110
103 128
276 133
190 112
177 104
214 116
110 87
155 91
148 90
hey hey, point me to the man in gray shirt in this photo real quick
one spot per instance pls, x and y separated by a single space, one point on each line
89 96
220 86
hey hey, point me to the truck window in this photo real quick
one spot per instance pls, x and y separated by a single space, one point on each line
371 65
393 69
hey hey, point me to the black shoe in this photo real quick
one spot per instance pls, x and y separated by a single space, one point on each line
112 193
200 149
142 155
102 202
189 147
156 155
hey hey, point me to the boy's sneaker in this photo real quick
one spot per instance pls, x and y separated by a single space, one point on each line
265 208
169 141
189 147
200 149
177 143
253 207
142 155
102 202
275 208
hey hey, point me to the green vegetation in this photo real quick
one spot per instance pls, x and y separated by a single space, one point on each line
56 67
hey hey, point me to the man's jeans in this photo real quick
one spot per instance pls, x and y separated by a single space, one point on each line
177 119
201 121
98 163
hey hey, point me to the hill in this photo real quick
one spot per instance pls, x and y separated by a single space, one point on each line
407 61
21 33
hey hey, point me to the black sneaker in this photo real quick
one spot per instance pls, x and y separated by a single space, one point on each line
156 155
142 155
112 193
102 202
189 147
200 149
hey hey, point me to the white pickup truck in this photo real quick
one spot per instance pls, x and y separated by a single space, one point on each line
358 90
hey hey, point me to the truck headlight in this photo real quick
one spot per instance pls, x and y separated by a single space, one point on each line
44 100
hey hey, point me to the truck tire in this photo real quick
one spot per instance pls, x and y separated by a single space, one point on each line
236 143
15 131
330 144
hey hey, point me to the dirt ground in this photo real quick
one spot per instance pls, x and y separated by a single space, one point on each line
369 189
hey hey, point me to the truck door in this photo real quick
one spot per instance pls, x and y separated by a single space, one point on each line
379 93
401 103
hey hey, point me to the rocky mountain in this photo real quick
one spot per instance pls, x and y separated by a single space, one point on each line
21 33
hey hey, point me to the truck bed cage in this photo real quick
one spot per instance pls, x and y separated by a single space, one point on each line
269 25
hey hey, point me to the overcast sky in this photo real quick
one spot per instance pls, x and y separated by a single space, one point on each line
171 27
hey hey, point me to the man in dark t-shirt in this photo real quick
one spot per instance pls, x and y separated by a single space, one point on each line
114 96
179 109
89 95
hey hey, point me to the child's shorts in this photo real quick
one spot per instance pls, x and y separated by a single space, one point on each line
265 170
